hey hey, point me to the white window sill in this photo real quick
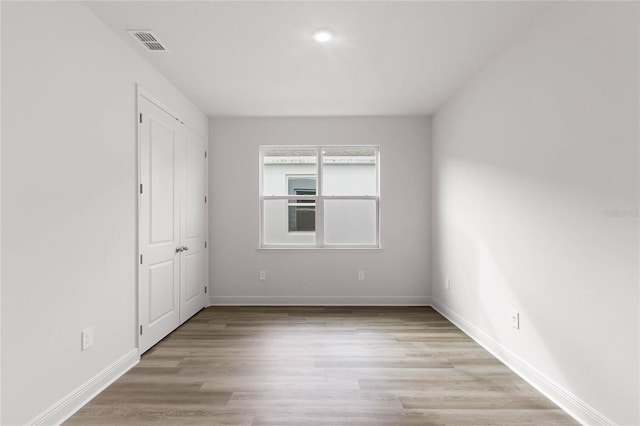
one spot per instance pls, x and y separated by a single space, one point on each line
298 249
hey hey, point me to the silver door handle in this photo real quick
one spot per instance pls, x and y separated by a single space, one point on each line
185 248
179 249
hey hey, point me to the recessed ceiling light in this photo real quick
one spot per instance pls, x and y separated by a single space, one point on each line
322 36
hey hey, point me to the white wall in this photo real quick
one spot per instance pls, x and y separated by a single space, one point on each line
529 161
68 199
397 274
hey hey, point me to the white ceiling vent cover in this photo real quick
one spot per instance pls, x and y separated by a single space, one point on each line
149 40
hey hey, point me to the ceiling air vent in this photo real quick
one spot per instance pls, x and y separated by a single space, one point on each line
149 40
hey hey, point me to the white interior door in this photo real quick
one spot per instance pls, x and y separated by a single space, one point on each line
193 262
159 225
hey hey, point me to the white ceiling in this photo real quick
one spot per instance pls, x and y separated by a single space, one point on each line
258 58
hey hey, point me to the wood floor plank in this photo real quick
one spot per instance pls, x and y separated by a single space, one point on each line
301 365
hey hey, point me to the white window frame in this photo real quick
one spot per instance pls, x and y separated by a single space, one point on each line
319 198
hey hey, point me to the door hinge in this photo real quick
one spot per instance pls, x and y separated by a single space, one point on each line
141 117
141 188
205 290
141 330
141 259
205 154
205 244
205 199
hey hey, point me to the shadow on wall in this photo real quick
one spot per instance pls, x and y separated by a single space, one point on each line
545 248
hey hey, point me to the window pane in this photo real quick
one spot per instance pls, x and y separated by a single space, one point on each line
349 171
350 222
302 218
277 222
277 164
302 212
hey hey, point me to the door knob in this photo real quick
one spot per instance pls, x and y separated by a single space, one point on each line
185 248
179 249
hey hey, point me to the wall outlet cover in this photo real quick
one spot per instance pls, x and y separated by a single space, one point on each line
515 319
87 338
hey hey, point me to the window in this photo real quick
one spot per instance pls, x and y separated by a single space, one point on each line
319 197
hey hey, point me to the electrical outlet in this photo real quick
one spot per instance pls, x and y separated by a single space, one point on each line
87 338
447 284
515 319
360 275
263 275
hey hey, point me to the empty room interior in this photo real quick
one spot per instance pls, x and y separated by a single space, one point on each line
320 212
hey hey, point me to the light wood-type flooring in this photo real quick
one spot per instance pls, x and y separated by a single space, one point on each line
319 366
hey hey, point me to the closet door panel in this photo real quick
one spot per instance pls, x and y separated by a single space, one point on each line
161 152
159 227
193 228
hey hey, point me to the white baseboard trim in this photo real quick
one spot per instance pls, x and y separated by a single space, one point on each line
565 399
67 406
319 301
